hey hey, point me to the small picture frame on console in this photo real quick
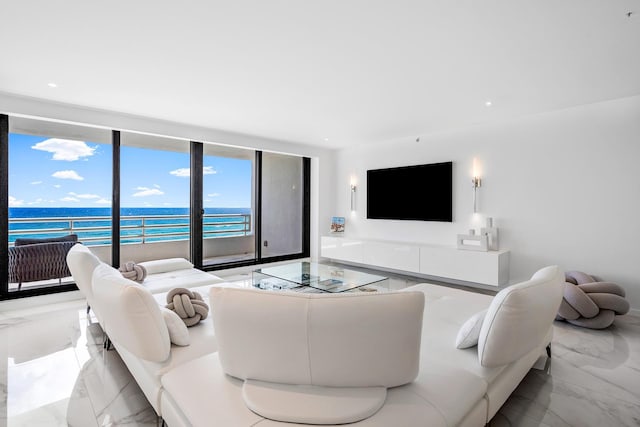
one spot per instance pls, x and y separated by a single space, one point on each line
337 224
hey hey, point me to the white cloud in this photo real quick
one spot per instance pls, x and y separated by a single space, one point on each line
145 191
67 174
13 202
36 182
36 201
69 199
186 172
84 196
57 185
156 185
214 195
103 201
182 172
65 149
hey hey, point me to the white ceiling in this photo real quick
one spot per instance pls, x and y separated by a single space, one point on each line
350 71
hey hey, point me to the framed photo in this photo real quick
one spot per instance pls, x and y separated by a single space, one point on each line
337 224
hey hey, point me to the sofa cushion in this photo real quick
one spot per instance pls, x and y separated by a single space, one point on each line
130 315
519 318
470 331
336 340
178 332
183 278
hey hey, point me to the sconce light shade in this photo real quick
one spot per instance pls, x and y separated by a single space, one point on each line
353 197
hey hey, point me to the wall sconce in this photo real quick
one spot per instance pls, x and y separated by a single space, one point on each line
353 197
476 183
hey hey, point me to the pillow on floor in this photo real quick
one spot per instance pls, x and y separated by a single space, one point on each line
178 333
470 331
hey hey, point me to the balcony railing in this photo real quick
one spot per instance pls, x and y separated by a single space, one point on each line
133 229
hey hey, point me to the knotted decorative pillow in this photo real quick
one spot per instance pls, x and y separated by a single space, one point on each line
132 271
591 303
187 304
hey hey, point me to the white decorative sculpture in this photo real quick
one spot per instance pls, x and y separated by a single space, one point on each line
472 241
492 234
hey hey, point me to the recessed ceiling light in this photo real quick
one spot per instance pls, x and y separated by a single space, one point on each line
326 139
488 103
52 85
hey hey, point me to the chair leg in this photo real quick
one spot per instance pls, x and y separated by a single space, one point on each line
107 343
549 350
19 285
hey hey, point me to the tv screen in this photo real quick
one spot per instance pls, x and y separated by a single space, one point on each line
419 193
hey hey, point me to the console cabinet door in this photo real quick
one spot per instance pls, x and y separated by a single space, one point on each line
342 249
393 255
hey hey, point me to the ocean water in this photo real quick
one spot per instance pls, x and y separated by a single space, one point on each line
137 225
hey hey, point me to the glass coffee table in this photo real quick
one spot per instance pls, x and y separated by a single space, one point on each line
313 277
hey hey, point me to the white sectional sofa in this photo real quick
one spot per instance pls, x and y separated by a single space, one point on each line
189 386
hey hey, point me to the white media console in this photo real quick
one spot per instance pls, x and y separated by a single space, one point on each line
484 268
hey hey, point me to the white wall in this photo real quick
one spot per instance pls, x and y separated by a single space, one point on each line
563 188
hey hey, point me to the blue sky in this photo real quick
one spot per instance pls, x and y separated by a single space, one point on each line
52 172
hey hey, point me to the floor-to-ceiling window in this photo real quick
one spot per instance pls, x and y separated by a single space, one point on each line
228 230
59 184
154 197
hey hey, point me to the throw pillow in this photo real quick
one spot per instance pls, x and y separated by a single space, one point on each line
178 332
470 331
132 271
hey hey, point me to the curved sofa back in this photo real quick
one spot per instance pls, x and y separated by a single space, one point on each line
335 340
519 318
82 262
131 316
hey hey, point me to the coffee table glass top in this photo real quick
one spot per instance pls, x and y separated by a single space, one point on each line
312 275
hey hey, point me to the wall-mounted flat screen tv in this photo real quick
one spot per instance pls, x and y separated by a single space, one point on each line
419 193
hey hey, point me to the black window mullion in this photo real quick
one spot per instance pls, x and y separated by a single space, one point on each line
115 200
196 204
4 205
306 207
258 212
